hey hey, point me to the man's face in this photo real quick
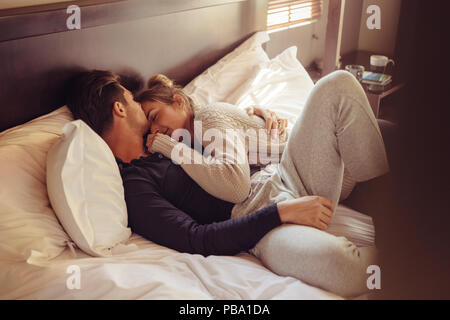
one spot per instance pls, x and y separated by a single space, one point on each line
135 115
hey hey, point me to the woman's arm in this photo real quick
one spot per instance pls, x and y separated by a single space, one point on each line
273 122
222 170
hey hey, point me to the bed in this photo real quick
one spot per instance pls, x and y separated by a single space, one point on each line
38 54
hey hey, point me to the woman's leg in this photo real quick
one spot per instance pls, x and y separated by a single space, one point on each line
336 128
317 258
348 184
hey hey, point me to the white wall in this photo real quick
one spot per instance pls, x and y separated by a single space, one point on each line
383 40
308 48
351 26
355 34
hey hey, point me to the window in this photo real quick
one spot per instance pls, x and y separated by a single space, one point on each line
282 14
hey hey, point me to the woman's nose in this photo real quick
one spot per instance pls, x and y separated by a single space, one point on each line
154 128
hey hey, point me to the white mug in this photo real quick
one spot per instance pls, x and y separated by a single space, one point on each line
379 63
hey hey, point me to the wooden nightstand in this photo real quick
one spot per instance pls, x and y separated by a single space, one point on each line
375 99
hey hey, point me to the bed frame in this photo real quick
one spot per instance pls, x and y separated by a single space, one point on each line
135 38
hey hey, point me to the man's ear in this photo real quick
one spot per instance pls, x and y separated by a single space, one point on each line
119 109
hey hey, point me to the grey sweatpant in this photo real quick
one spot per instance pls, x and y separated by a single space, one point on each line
337 127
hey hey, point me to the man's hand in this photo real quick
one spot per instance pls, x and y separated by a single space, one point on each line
272 120
313 211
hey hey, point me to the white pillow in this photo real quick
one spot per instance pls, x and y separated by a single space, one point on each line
29 229
281 85
226 75
86 191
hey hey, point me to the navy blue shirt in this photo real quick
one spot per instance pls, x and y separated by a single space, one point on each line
169 208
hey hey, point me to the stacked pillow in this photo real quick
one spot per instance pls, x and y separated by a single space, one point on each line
229 73
29 229
281 85
86 191
247 77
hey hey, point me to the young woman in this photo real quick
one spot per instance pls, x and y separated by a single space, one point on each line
335 130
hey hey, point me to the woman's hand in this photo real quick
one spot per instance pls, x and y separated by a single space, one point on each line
313 211
150 138
271 118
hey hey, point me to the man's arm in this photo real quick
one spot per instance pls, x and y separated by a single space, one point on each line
153 217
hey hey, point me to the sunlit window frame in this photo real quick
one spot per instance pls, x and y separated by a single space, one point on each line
286 8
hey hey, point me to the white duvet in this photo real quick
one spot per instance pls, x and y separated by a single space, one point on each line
156 272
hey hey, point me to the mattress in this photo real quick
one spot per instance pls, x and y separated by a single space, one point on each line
156 272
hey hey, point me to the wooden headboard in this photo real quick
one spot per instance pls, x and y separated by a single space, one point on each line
135 38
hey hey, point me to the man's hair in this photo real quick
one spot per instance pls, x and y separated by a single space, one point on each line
91 97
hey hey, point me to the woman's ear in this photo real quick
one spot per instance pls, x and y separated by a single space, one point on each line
119 110
179 100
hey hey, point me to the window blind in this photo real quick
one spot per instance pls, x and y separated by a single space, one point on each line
282 13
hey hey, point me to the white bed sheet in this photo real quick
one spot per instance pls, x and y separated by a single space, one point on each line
156 272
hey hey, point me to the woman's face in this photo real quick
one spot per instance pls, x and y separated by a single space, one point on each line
165 118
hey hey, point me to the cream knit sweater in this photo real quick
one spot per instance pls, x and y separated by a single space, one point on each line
223 170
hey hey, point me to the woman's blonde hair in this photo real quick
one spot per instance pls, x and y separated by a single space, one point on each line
162 89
